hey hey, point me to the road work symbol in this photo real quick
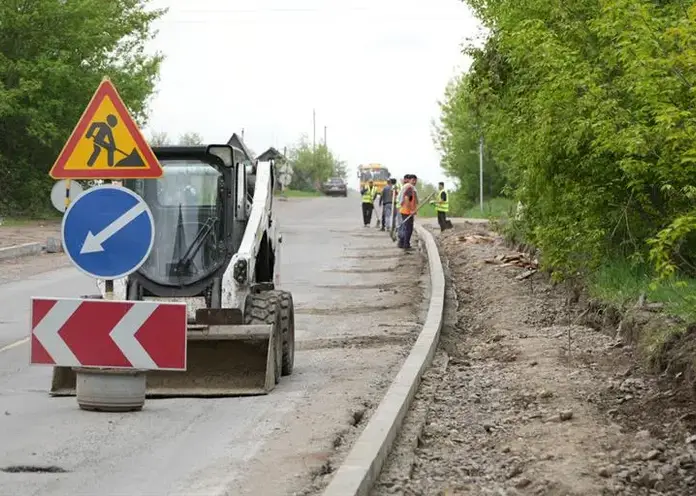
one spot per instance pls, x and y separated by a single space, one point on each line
102 135
106 143
108 232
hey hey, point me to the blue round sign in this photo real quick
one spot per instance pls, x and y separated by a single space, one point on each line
108 232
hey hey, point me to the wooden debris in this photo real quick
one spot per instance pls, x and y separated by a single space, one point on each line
516 259
476 239
526 274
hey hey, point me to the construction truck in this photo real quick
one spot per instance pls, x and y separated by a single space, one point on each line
378 174
217 248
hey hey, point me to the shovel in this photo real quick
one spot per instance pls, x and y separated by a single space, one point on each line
132 159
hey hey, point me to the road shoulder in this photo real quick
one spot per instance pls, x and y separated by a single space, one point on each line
522 399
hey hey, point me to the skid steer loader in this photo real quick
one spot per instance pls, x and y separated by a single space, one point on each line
217 248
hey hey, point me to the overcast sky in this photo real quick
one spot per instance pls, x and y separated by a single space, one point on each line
373 70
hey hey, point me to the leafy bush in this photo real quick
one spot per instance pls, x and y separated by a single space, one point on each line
587 111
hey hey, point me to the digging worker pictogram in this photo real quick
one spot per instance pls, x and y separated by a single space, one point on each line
101 133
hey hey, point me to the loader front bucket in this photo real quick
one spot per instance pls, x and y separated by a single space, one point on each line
229 360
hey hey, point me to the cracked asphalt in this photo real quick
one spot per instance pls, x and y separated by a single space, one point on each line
358 302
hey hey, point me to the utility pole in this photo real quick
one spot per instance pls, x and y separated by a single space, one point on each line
325 145
285 161
314 137
481 172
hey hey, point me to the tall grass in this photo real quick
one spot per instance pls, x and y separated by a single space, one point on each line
622 283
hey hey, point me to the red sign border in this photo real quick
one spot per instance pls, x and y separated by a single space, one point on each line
153 169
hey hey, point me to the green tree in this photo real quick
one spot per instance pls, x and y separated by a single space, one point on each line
312 166
425 189
159 138
588 109
190 139
457 137
53 55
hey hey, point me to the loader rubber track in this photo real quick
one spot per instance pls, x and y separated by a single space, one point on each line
264 308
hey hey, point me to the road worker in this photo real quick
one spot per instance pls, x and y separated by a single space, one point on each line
368 196
408 208
377 205
396 188
442 207
386 201
405 182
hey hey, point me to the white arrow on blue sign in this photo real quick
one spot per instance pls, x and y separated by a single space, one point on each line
108 232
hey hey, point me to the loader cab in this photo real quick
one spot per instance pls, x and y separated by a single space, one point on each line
193 206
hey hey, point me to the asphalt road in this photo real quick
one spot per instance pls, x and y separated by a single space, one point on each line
355 321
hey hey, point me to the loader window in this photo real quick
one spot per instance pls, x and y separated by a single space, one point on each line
187 205
188 183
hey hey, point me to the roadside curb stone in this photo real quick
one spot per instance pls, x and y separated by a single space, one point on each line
20 250
362 466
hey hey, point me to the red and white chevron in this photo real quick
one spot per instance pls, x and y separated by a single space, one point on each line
75 332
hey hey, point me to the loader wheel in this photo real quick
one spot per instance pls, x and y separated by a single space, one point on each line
287 328
264 308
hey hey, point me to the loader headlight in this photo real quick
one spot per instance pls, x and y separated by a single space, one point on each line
240 271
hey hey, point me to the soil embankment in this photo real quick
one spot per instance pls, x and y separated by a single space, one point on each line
524 398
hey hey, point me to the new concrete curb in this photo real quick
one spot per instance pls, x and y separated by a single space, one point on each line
20 250
363 464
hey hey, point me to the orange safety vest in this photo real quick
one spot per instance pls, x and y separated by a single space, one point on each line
408 207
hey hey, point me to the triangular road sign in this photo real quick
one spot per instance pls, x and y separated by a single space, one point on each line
106 143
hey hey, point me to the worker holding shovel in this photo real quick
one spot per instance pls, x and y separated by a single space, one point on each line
407 219
408 208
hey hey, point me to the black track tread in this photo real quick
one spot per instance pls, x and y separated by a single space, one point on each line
263 308
287 325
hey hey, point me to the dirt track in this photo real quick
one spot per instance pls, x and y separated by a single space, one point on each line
523 399
30 232
13 269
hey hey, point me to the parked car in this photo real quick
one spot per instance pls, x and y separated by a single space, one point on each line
335 186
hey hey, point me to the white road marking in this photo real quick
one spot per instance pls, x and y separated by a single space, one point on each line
46 332
14 345
123 334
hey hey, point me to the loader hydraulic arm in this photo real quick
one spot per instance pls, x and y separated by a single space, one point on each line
257 224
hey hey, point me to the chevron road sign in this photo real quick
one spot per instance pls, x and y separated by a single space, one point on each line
75 332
